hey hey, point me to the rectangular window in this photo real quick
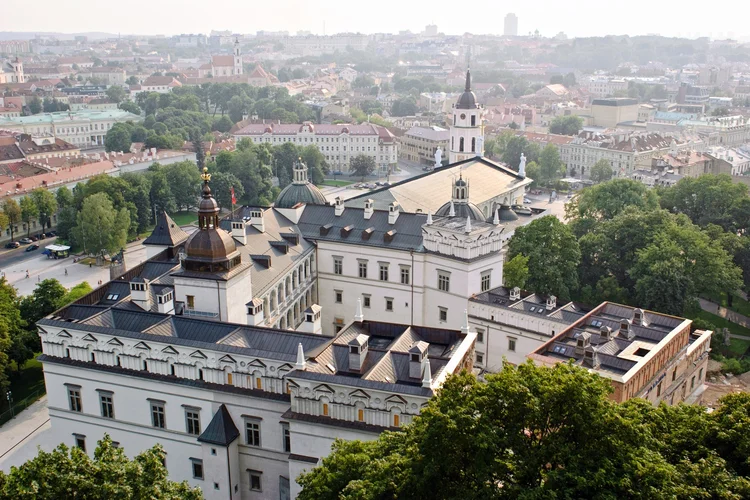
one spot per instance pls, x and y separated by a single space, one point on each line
158 415
255 482
388 304
486 280
443 314
287 438
444 281
74 398
480 336
80 441
511 344
108 407
229 379
383 272
361 415
197 468
258 383
700 375
325 409
338 265
363 269
190 301
252 433
339 296
193 422
480 359
365 301
405 275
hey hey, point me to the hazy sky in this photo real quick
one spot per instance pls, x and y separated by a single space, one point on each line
574 17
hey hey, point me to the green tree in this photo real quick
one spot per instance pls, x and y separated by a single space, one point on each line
101 228
35 105
362 166
184 182
81 289
601 171
514 146
29 212
130 107
553 256
12 333
221 185
64 197
527 433
406 106
222 124
516 271
160 193
363 81
533 172
200 153
118 138
566 125
116 93
13 212
44 300
71 473
46 204
551 168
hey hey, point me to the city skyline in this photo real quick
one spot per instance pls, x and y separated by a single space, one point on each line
588 19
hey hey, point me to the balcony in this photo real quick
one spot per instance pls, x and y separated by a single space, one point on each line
191 311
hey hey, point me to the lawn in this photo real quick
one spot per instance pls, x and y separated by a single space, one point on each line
184 218
739 304
332 183
737 347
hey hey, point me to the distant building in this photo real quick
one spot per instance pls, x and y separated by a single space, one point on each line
607 113
467 129
160 84
419 144
511 25
644 354
338 143
553 92
603 86
223 65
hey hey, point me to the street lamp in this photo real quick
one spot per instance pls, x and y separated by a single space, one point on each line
9 396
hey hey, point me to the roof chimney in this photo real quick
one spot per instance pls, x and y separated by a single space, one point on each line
605 332
393 212
300 364
238 231
625 329
357 351
638 317
584 340
417 354
551 302
368 208
515 293
359 315
339 206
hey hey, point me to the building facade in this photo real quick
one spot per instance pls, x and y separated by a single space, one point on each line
420 144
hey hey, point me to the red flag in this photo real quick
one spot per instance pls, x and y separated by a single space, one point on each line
234 198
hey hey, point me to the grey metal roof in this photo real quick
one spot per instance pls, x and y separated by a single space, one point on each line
221 430
166 232
407 236
294 194
462 210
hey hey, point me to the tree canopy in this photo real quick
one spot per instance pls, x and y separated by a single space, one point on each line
544 432
363 165
566 125
71 473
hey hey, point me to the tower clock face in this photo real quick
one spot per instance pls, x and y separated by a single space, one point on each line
463 116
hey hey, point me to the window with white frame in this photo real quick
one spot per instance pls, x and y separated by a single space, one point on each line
286 442
74 398
362 268
444 281
158 414
405 275
365 300
384 271
480 336
443 314
197 466
193 421
389 304
486 280
339 295
255 480
107 405
252 432
511 344
338 265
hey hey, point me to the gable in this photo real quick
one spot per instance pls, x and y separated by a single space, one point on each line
169 350
89 338
142 345
198 354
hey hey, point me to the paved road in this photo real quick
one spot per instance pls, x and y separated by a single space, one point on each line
21 437
725 313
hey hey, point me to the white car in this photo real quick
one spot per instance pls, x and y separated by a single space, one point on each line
526 201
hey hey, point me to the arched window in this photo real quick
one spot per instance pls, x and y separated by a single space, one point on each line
473 120
473 144
461 144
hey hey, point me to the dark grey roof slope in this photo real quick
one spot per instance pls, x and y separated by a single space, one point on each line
462 210
407 231
221 430
166 232
300 193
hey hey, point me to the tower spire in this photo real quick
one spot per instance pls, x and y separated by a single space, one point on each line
468 81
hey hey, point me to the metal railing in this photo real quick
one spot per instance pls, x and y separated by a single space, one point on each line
21 405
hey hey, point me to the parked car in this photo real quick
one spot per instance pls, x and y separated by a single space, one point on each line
25 241
33 238
12 244
337 172
31 248
41 236
527 201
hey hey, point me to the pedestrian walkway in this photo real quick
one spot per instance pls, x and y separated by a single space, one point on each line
727 314
20 436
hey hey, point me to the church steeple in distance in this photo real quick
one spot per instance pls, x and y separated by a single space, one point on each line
467 130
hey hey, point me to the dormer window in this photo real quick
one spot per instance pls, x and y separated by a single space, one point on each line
580 342
415 358
354 349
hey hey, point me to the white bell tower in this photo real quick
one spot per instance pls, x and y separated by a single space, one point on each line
467 129
237 57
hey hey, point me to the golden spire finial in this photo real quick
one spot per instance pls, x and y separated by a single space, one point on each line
205 175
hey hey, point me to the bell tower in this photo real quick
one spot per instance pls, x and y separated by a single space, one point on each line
467 129
237 57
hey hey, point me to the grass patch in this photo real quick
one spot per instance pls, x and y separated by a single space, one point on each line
184 218
739 304
737 347
332 183
87 260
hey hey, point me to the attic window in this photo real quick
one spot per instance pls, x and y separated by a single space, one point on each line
641 352
415 357
589 354
354 349
113 296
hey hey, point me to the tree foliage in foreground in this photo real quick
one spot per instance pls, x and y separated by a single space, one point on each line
535 432
71 473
